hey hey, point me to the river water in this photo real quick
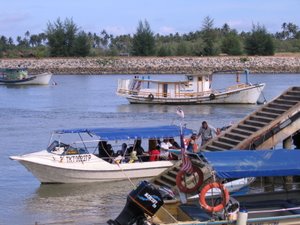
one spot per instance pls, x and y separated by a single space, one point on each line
29 114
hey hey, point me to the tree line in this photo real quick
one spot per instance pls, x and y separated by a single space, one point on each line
66 39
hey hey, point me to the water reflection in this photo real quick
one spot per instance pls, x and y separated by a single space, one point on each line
79 203
144 108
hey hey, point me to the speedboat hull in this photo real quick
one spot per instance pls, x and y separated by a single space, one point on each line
50 168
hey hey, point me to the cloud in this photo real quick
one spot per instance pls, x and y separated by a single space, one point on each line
13 18
117 30
166 30
240 25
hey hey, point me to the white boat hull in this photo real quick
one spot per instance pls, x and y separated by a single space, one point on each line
246 95
39 79
51 168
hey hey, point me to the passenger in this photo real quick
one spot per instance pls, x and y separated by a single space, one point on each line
133 157
154 154
164 149
296 140
206 132
123 150
138 147
191 144
105 150
174 144
102 146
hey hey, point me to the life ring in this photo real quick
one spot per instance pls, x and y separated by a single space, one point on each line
151 96
224 194
212 96
180 182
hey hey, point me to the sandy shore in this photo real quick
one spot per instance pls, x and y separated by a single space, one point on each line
156 65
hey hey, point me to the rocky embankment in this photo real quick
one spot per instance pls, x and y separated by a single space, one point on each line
156 65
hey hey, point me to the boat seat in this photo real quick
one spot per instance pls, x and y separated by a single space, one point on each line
195 212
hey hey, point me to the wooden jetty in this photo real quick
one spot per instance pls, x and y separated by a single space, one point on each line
269 125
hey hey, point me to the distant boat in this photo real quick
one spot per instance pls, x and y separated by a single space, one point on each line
196 89
83 161
20 76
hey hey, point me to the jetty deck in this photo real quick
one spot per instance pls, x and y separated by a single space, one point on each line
265 128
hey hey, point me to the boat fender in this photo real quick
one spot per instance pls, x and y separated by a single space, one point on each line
151 96
212 96
224 194
180 182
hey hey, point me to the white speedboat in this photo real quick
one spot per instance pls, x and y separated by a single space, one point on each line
83 161
196 89
20 76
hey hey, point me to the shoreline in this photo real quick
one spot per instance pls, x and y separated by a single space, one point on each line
155 65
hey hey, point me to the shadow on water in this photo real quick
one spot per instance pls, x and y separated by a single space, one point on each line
88 203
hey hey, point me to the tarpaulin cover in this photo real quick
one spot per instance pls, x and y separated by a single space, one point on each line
131 133
254 163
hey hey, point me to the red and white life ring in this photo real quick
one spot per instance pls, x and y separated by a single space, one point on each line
224 195
180 182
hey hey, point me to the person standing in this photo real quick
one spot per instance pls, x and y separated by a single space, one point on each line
206 133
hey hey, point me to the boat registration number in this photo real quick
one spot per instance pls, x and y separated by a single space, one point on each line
77 158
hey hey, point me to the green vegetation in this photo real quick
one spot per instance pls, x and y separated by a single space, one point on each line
143 42
259 42
66 39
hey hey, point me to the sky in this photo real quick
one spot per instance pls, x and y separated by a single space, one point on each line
164 16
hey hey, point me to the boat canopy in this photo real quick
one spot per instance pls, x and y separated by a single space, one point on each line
130 133
254 163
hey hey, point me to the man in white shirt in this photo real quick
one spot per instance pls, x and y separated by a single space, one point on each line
164 148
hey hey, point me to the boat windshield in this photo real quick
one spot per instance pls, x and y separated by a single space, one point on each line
65 149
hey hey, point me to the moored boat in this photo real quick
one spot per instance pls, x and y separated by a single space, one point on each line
20 76
278 206
196 89
88 160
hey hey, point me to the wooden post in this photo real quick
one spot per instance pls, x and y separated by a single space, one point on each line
288 180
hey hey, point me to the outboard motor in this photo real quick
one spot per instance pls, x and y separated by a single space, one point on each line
145 199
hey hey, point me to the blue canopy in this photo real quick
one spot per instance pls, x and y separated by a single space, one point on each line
254 163
130 133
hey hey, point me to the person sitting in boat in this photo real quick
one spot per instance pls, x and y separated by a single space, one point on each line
175 146
206 133
154 154
120 154
105 150
133 158
164 148
296 140
140 152
191 144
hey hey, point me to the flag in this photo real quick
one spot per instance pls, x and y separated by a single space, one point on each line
180 112
186 162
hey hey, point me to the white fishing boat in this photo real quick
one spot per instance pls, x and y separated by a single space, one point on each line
88 160
20 76
196 89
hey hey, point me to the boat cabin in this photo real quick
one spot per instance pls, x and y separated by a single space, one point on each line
111 143
13 74
192 85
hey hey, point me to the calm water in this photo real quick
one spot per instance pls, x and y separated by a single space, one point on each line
29 114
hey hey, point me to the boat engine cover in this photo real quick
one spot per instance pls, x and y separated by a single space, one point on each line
145 199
